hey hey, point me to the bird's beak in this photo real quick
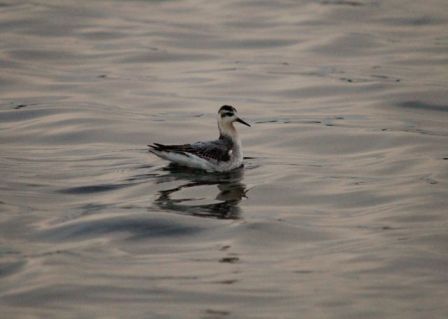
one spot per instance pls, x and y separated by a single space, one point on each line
242 122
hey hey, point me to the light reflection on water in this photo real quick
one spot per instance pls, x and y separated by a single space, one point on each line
340 211
225 206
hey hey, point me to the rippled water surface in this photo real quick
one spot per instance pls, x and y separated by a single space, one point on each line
340 211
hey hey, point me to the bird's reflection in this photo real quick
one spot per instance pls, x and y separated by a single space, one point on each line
223 206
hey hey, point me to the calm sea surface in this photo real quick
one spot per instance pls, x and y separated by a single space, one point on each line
341 210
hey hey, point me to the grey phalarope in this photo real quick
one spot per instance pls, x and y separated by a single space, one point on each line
221 155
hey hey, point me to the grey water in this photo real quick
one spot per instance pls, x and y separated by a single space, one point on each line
340 210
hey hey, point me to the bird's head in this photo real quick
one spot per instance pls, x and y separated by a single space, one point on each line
227 115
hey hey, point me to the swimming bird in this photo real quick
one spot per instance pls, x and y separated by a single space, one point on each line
221 155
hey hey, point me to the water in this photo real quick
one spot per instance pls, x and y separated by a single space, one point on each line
340 212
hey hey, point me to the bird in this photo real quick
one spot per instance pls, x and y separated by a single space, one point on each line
221 155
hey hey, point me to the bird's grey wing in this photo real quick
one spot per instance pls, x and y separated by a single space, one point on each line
218 150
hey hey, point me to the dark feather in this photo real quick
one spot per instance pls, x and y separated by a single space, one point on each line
218 150
227 108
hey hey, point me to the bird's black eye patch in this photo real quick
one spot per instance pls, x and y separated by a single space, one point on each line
227 108
224 114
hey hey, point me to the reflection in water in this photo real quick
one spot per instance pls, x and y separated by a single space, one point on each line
231 191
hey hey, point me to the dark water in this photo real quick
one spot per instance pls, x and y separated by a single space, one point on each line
340 212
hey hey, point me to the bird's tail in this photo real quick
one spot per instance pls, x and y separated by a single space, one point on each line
156 147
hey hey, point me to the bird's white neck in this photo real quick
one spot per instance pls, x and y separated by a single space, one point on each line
227 129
